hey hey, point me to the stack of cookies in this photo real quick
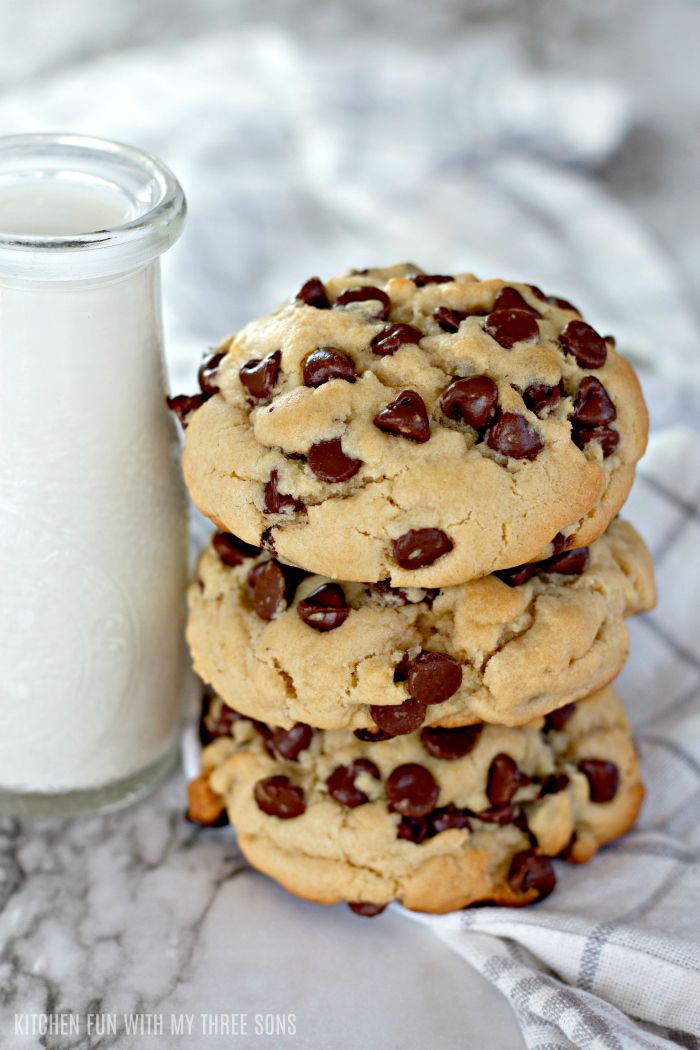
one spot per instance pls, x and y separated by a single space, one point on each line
414 604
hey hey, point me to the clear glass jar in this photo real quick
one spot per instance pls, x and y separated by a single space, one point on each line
93 521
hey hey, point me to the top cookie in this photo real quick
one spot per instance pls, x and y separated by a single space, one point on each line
418 428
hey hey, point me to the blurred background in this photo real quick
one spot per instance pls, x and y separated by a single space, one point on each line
550 140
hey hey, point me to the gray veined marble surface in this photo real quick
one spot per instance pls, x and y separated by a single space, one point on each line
141 914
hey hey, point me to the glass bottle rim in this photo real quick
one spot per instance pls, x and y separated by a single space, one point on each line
155 194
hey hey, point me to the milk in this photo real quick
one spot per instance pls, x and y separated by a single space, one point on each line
93 538
55 207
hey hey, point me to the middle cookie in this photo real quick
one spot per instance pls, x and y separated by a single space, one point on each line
285 647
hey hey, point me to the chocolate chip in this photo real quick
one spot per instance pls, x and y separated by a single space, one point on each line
212 726
450 744
448 817
269 589
562 304
324 364
411 790
579 339
329 463
372 736
292 576
341 782
568 563
278 797
421 279
420 547
402 668
603 778
399 719
518 575
553 300
511 299
207 373
505 813
539 397
364 908
554 783
313 293
607 438
393 337
406 416
449 320
559 543
277 502
529 870
266 734
504 779
325 608
289 743
268 540
231 550
593 406
259 376
556 720
413 830
472 401
364 294
509 327
434 677
183 404
512 436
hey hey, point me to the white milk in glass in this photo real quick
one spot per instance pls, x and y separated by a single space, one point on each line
54 207
93 535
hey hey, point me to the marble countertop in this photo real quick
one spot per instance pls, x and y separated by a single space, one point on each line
141 915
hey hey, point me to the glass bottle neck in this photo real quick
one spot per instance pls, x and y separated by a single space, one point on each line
74 208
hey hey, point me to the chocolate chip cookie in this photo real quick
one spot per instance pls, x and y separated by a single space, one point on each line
438 819
285 647
418 428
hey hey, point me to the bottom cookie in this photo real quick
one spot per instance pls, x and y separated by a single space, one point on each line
438 820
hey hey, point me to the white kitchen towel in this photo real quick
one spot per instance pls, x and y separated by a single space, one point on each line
612 959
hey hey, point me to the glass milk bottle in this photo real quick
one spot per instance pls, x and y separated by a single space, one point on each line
93 530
